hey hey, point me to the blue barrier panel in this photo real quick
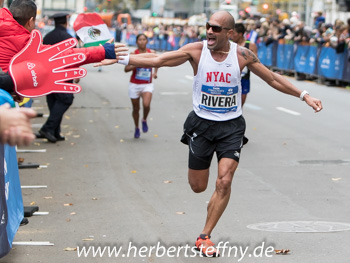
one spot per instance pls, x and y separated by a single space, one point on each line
11 189
163 44
131 40
312 60
300 58
269 55
330 64
346 74
274 53
285 56
281 58
13 192
186 41
262 53
177 41
266 54
4 243
157 44
305 59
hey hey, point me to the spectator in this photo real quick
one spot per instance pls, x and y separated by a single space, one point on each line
118 32
319 18
251 34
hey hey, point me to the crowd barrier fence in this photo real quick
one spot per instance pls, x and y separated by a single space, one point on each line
322 62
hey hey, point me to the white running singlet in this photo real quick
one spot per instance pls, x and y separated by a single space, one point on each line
217 86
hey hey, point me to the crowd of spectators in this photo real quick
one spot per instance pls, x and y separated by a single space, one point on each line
336 35
259 30
294 31
263 29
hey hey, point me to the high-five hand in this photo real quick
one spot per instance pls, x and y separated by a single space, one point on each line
38 71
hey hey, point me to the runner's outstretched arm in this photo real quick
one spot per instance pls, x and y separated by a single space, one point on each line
167 59
276 81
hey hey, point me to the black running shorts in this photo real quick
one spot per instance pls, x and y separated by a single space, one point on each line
204 137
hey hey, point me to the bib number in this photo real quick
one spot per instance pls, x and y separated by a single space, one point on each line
143 74
218 99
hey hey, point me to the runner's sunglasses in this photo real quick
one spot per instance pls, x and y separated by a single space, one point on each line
216 29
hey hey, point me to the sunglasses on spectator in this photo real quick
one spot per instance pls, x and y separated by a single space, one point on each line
216 29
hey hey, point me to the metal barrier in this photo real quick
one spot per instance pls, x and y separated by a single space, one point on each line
322 62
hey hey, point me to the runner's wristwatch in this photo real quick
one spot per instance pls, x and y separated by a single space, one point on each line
303 94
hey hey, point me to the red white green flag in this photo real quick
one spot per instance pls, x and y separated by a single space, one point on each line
91 29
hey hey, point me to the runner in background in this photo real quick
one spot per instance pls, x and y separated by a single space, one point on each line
238 37
141 86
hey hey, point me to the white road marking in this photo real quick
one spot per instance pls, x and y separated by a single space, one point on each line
33 243
33 186
40 213
174 93
31 151
251 106
288 111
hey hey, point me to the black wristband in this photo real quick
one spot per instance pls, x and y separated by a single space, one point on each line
109 51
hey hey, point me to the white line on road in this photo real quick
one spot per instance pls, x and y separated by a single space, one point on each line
252 106
33 186
40 213
174 93
288 111
33 243
31 151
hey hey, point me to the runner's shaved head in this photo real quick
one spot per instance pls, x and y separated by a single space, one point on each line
226 18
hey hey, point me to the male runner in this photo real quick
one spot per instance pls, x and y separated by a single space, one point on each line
216 123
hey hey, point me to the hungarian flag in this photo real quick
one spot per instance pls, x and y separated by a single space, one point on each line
91 29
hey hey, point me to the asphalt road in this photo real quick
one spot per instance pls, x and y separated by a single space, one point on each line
106 189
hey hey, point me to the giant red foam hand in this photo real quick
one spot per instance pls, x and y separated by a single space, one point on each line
37 71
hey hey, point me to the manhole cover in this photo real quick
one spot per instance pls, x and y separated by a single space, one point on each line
301 226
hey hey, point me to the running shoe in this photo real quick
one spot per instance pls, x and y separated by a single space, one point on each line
144 126
137 133
203 243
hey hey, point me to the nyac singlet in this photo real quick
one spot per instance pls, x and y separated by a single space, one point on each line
141 75
217 86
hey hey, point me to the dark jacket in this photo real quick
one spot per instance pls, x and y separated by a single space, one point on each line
57 35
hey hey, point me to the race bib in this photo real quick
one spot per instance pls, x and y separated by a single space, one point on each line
143 74
218 99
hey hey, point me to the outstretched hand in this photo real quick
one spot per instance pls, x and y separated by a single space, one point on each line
38 71
120 51
106 62
316 104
